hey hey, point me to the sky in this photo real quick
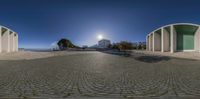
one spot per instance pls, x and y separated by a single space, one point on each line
39 23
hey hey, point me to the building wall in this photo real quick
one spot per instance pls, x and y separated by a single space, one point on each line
147 43
157 41
104 43
8 40
151 42
174 38
171 37
5 41
186 36
0 40
197 40
166 40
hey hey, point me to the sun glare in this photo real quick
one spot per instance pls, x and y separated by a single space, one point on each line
100 37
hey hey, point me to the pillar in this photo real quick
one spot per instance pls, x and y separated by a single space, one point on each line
172 39
147 43
197 40
162 40
153 42
16 42
12 42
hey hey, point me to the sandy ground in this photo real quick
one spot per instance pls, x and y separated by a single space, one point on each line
28 55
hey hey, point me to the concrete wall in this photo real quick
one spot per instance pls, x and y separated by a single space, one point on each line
0 40
197 40
12 41
165 37
147 43
151 42
157 41
173 40
8 40
16 42
167 41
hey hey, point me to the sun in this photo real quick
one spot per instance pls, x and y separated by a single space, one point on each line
100 37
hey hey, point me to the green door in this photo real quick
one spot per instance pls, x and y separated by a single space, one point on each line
186 42
185 37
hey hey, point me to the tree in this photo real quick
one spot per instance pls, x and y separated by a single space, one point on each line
124 45
110 46
115 46
65 43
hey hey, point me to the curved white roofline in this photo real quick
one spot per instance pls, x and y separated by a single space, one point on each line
8 29
173 24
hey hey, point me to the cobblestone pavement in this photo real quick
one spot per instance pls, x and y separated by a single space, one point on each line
99 75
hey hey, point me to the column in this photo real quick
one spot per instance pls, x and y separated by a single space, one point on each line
153 40
11 41
150 42
162 40
147 42
172 39
16 42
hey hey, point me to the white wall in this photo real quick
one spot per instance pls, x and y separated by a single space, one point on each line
0 40
157 42
147 43
173 38
165 40
11 41
16 42
197 40
151 42
6 41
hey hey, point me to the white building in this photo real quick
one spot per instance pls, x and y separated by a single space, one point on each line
104 43
8 40
174 37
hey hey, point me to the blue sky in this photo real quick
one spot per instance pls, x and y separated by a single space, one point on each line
42 22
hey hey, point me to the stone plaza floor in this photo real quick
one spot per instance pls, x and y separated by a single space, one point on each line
99 75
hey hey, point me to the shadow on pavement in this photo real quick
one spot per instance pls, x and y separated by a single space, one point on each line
152 59
116 52
139 56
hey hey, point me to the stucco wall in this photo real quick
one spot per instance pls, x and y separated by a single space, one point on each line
157 41
151 42
175 38
197 40
166 40
8 40
0 40
169 40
